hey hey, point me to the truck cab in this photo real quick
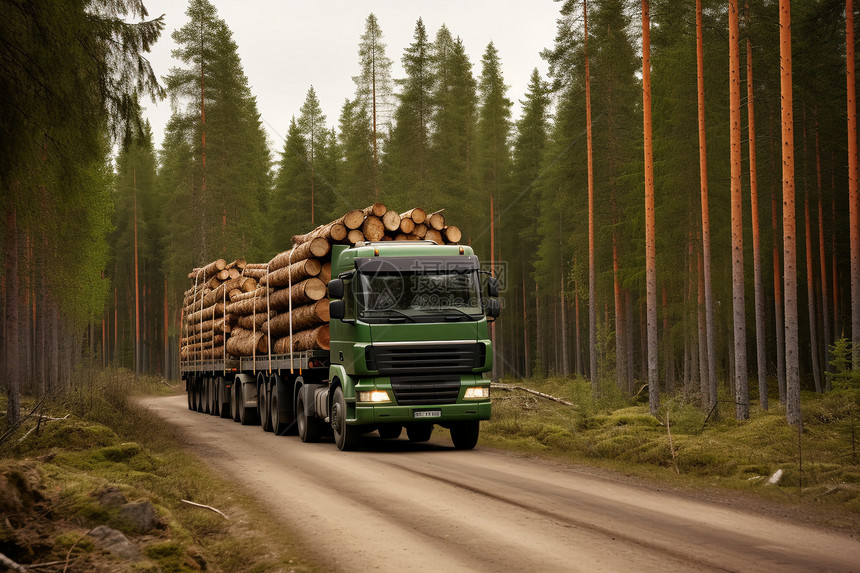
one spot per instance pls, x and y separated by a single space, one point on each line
410 343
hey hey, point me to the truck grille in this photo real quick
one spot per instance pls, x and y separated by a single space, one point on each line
425 359
425 389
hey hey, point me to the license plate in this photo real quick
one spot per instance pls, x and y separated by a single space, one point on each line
427 413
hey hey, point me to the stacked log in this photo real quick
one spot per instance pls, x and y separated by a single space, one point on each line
206 326
250 309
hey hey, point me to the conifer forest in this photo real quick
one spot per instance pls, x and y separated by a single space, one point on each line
689 225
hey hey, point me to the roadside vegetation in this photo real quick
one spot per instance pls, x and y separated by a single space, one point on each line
686 446
90 462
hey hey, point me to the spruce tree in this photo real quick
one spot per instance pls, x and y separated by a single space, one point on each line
406 175
453 130
374 88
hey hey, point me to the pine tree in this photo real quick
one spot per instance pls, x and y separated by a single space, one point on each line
231 161
453 128
312 124
407 154
291 196
374 88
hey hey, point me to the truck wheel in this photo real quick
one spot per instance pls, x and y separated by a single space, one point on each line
190 388
390 431
263 406
309 428
465 434
247 416
419 432
235 399
198 395
206 392
224 394
213 397
345 436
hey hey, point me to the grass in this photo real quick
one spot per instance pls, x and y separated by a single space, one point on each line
819 466
51 480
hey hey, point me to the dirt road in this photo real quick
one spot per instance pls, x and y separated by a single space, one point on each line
397 506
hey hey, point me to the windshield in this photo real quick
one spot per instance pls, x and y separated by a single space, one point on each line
419 296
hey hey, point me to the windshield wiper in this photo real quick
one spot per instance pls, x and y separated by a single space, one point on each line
468 315
399 312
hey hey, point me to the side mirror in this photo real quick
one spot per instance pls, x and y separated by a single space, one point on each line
493 286
337 309
494 309
335 288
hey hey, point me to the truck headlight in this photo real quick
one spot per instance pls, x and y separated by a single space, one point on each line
477 393
374 396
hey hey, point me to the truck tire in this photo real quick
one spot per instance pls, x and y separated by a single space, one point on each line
281 403
310 429
390 431
345 436
235 399
247 416
419 432
465 434
263 404
224 394
190 391
213 397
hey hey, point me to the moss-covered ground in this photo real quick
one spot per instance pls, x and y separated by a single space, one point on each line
685 445
53 473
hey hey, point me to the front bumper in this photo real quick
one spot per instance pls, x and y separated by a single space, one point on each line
388 413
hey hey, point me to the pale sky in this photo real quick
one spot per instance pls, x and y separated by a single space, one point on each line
288 45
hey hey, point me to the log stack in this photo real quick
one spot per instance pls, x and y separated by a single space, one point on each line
249 309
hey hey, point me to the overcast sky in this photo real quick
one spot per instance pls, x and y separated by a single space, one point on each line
288 45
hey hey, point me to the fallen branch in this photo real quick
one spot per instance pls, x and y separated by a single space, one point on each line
11 565
45 418
510 388
69 554
20 421
209 507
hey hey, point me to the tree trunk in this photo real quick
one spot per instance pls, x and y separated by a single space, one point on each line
13 381
620 369
303 318
317 247
305 340
592 295
792 367
853 197
777 280
738 301
650 238
822 256
292 274
710 340
810 291
761 350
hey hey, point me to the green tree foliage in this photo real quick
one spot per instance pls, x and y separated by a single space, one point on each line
291 198
453 124
356 166
71 74
406 162
374 88
492 143
212 96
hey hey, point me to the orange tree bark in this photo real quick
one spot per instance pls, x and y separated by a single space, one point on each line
761 356
592 304
792 367
738 302
853 199
710 340
650 246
